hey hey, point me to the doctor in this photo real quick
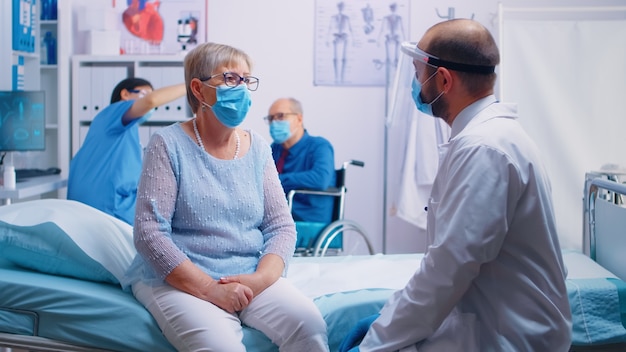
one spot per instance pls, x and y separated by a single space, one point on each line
105 171
492 278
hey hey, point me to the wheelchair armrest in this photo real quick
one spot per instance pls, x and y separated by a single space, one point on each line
358 163
331 191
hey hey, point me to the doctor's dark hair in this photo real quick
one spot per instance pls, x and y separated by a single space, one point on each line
454 41
128 84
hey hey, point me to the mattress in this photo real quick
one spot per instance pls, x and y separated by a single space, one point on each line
98 315
345 289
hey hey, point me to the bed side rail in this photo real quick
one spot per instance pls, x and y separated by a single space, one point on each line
607 225
9 342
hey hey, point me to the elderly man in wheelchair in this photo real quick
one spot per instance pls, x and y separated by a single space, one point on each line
315 190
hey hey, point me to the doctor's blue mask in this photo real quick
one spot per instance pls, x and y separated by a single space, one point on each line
416 89
280 131
232 104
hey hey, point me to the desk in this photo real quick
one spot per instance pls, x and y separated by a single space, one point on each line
32 187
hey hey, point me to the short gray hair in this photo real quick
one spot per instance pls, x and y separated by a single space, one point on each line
295 105
202 61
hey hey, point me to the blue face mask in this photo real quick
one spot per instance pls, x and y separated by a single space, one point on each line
416 89
280 131
232 105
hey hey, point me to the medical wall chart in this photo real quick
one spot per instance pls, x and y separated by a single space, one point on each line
356 41
161 26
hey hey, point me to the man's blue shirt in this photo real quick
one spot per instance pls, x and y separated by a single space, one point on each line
310 164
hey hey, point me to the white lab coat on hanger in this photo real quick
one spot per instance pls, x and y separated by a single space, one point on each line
425 134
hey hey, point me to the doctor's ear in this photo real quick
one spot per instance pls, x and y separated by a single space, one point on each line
447 78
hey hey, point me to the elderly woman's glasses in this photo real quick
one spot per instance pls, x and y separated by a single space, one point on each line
279 116
232 79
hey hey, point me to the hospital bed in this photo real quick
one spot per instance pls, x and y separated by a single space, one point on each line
41 311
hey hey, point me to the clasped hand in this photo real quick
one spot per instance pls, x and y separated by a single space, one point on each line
239 290
231 296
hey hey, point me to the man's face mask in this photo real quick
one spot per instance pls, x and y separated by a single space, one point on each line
232 104
416 89
280 131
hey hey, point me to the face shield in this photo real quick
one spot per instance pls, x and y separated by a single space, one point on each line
401 106
418 54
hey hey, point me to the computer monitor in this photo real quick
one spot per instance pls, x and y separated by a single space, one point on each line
22 121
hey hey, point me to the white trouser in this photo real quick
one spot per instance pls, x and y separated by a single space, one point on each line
285 315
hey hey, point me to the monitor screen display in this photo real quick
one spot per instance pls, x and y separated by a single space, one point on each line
22 121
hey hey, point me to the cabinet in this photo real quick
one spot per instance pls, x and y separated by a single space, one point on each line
55 81
95 77
21 70
19 66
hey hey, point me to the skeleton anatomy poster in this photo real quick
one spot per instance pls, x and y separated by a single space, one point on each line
357 40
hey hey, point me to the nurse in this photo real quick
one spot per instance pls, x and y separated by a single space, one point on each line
105 171
492 278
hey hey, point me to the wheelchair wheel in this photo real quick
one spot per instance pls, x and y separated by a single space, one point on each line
342 237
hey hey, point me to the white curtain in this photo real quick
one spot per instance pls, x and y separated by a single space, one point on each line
568 76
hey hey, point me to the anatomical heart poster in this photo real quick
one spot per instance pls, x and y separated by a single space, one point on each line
160 26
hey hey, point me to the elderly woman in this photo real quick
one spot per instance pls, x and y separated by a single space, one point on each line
212 227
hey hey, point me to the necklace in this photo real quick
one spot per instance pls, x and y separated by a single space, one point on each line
237 143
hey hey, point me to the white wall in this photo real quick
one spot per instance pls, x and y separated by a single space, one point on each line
278 35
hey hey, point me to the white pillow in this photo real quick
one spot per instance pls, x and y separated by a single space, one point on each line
66 237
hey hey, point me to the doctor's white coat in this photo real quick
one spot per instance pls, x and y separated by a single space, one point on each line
493 277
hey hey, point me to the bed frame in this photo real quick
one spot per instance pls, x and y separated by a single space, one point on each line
605 229
607 226
607 217
13 342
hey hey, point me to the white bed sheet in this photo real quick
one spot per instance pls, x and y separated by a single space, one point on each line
321 276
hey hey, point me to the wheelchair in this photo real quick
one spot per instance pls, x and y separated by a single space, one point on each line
321 239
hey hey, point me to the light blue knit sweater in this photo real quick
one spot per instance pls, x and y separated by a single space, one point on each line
223 215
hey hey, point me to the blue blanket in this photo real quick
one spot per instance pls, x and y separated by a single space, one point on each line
599 313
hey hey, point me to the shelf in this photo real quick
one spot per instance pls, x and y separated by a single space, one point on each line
35 186
25 54
160 59
95 77
48 67
48 22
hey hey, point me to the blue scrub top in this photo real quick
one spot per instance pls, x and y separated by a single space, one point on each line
105 171
310 164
